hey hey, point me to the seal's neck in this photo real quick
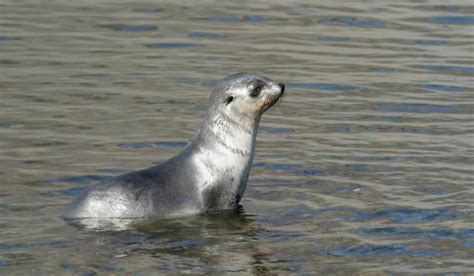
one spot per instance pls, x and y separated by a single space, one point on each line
230 137
223 151
236 134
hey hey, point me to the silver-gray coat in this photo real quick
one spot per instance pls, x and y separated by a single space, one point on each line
210 174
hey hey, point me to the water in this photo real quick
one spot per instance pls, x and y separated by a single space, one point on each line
366 167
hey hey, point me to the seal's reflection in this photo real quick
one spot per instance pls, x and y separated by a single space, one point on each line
224 241
223 218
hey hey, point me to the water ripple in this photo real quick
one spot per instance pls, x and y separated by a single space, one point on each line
406 215
339 169
5 38
384 250
417 232
448 68
416 108
163 144
55 244
80 179
277 130
146 10
452 20
237 19
367 250
432 42
9 123
468 244
132 28
444 88
185 244
332 38
67 192
203 35
352 21
324 86
173 45
377 128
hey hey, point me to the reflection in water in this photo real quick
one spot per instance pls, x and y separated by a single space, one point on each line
223 241
225 217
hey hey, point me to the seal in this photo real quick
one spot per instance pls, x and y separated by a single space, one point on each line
210 174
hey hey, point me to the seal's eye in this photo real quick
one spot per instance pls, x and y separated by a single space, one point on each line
228 100
256 91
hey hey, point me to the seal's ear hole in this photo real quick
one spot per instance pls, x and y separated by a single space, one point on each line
229 99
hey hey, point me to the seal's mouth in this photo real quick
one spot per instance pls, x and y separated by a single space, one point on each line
271 101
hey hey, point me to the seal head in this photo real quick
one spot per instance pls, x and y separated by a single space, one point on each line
210 174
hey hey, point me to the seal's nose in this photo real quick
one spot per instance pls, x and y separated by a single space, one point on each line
282 86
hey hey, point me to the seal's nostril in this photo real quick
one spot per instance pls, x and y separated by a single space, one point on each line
282 86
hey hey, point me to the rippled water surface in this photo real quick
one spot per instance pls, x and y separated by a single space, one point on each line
365 167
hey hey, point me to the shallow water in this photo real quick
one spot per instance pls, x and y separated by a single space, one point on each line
366 166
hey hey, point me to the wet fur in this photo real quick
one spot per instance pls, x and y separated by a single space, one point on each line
210 174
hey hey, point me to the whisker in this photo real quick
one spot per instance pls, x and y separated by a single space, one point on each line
279 100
